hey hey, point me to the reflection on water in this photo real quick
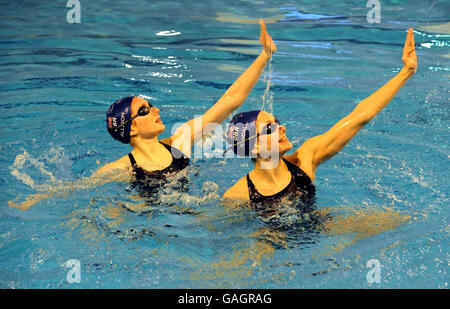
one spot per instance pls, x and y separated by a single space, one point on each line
437 28
253 251
233 18
257 250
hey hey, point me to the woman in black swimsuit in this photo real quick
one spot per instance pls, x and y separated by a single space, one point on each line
148 183
279 177
134 121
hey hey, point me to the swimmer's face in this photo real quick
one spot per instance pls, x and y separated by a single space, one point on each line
277 141
148 126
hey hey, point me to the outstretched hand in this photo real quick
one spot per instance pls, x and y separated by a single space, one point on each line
409 57
266 39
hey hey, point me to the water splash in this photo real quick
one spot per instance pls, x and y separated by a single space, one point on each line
21 162
53 187
267 97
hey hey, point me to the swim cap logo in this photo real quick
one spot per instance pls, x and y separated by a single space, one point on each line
238 132
116 120
244 130
122 120
114 123
235 133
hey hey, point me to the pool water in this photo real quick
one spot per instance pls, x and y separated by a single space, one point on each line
387 191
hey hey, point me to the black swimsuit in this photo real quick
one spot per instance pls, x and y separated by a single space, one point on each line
300 192
293 208
148 183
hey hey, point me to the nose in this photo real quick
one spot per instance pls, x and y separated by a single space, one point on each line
155 111
282 129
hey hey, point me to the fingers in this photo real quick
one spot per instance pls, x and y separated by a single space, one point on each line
409 57
412 44
410 34
409 43
263 36
263 27
409 38
405 48
266 39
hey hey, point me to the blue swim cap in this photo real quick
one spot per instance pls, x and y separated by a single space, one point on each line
118 113
242 132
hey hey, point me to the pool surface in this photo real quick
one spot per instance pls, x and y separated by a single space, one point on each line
387 191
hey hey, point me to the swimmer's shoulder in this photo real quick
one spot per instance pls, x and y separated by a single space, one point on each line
238 191
122 164
304 160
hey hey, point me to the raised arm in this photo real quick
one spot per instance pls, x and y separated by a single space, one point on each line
320 148
232 99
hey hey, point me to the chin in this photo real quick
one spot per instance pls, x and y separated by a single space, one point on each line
285 147
157 131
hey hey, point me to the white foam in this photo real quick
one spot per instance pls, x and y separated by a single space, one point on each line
21 161
267 97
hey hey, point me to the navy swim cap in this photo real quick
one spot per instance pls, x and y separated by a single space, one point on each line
118 113
242 132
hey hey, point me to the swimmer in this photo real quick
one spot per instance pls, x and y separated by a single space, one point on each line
134 121
291 178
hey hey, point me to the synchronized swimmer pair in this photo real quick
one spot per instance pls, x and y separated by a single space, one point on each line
134 121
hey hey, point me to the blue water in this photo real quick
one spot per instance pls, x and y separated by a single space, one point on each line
387 190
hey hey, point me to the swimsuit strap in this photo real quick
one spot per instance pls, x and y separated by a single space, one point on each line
301 178
253 194
179 160
173 150
132 160
304 187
